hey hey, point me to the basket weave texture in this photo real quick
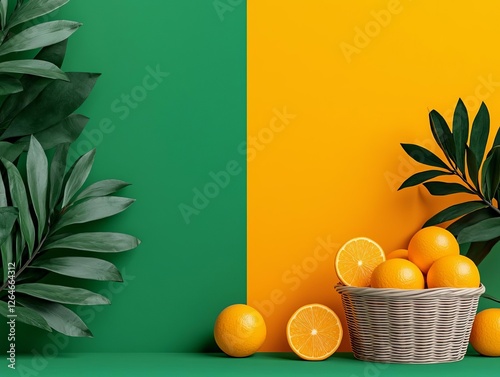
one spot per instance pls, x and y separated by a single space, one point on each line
409 326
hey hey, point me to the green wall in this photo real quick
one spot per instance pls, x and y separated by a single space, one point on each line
168 133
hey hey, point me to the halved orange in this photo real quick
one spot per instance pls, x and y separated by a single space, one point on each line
356 260
314 332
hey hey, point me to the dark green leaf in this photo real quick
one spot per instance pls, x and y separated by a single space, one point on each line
442 134
25 315
479 250
490 297
33 67
20 201
66 131
454 211
40 35
479 134
31 276
421 177
445 188
491 173
93 209
38 178
8 217
424 156
102 188
482 231
472 167
80 267
57 168
78 176
104 242
10 151
58 100
57 316
61 294
9 85
470 219
4 5
460 133
496 142
33 9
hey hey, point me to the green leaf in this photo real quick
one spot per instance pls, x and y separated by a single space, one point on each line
424 156
491 173
25 315
421 177
496 142
483 231
102 188
4 4
479 134
445 188
58 317
442 134
10 151
78 176
38 178
460 133
66 131
490 297
8 217
40 35
20 201
80 267
104 242
454 211
9 85
56 175
20 244
61 294
479 250
33 9
472 167
33 67
58 100
93 209
470 219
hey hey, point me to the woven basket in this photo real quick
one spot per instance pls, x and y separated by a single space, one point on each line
409 326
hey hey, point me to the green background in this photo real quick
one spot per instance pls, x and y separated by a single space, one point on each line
165 141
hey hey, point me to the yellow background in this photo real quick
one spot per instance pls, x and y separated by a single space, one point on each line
328 169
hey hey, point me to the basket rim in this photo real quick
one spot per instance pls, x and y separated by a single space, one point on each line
407 293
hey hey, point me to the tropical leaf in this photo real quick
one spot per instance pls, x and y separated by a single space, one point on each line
445 188
20 201
66 131
56 175
25 315
421 177
33 9
78 176
479 134
10 151
455 211
491 173
482 231
460 134
470 219
92 209
102 188
104 242
472 167
424 156
496 142
33 67
442 134
479 250
4 5
8 217
40 35
490 297
61 294
57 316
81 267
9 85
38 177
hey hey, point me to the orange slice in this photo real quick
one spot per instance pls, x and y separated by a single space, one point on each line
356 260
314 332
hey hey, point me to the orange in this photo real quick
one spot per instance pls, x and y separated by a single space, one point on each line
398 273
356 260
429 244
454 271
399 253
314 332
485 334
239 330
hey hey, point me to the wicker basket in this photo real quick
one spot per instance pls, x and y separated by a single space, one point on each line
409 326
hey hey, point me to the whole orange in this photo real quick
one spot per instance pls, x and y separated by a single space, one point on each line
454 271
397 273
239 330
429 244
399 253
485 334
